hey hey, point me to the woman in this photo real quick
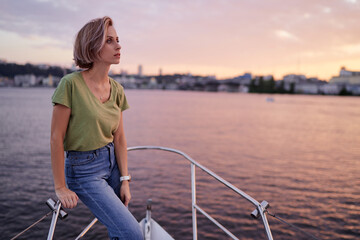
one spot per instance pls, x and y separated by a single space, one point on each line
87 123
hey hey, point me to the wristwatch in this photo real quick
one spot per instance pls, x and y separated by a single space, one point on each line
125 178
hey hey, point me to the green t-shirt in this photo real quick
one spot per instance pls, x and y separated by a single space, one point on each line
92 123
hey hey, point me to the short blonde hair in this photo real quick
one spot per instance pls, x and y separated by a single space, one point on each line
89 41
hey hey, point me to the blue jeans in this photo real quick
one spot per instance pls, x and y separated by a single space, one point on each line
94 176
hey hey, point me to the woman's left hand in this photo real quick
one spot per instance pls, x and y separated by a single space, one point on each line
125 195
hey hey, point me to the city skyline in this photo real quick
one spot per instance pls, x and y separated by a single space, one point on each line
221 38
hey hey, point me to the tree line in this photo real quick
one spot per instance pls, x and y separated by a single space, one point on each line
11 69
268 86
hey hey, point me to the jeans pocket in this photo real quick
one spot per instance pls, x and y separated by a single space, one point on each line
81 165
81 159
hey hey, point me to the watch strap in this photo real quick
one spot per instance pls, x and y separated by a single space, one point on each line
125 178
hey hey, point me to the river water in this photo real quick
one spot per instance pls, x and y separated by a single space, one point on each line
300 153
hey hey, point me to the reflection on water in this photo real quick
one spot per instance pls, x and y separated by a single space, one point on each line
300 153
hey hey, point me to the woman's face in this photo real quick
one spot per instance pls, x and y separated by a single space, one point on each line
110 52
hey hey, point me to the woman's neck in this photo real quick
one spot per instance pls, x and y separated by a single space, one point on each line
98 74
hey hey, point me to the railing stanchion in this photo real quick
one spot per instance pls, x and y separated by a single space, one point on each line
266 225
54 220
193 201
86 229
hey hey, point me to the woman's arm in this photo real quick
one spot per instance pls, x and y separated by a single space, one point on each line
59 123
121 159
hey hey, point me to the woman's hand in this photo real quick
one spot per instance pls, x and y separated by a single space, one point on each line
67 197
125 195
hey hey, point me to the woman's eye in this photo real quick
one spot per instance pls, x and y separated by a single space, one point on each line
108 41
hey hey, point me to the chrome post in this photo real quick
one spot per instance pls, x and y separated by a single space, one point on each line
260 212
193 196
52 205
147 225
266 225
86 229
54 220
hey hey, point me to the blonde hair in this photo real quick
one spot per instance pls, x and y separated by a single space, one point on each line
89 41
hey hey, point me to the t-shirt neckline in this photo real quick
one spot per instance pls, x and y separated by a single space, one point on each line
92 94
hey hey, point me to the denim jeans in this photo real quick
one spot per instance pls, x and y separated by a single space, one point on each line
94 176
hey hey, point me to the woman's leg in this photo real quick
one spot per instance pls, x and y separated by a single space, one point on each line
101 199
89 176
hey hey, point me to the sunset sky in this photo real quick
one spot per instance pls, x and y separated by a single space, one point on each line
224 38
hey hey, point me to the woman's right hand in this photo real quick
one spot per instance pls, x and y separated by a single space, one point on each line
67 197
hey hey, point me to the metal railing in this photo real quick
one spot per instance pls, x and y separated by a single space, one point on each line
260 210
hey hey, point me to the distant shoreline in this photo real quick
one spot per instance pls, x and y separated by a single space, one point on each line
180 90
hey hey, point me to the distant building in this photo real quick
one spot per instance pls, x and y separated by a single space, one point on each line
346 77
222 87
186 82
171 86
211 85
43 66
26 80
243 89
353 88
229 85
347 80
240 83
268 77
51 81
307 88
140 71
5 81
128 82
152 83
244 79
294 78
344 72
123 72
291 80
329 89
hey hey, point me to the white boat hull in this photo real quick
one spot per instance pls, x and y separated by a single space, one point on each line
156 232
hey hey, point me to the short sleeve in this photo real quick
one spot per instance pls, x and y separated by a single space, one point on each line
62 94
123 102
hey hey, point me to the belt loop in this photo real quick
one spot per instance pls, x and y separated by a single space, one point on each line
109 148
112 149
109 145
